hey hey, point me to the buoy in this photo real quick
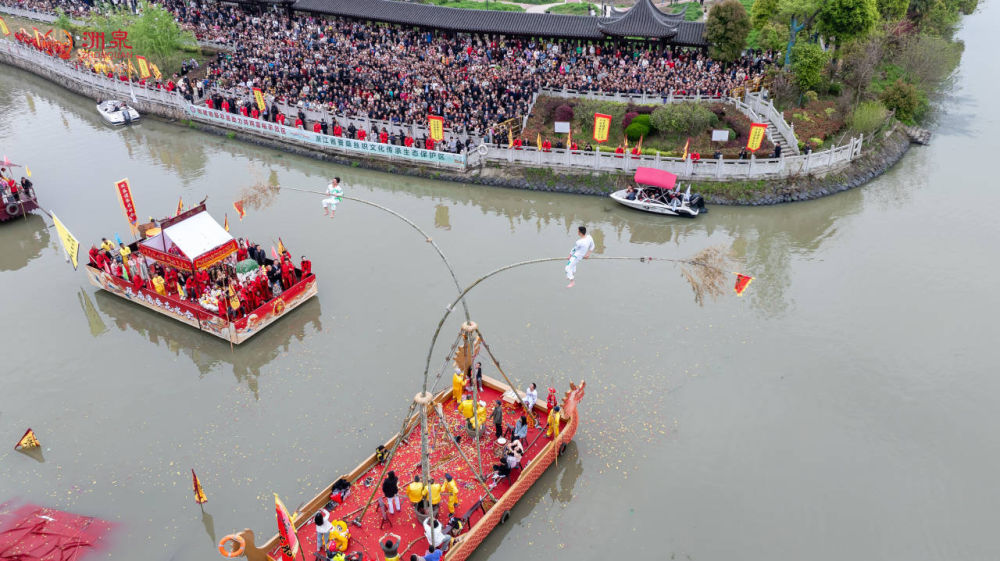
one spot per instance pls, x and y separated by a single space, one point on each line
226 551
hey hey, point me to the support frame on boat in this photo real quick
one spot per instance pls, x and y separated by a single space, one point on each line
491 515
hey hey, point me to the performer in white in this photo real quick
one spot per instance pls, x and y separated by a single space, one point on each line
582 250
335 192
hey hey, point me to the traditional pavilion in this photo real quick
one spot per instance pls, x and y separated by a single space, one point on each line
644 21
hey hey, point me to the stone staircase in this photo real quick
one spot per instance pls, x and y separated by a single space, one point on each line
788 146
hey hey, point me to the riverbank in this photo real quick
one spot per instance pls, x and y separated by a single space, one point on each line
872 162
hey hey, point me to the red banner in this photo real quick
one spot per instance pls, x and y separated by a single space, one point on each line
175 261
756 136
207 259
602 127
125 198
288 541
436 126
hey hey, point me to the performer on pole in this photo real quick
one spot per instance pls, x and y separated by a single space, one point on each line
582 250
335 192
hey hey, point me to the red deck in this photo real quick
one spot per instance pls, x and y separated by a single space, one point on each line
406 463
35 533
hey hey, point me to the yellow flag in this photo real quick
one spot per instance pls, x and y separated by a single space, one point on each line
143 66
70 244
538 141
156 71
3 27
199 493
510 137
27 441
27 170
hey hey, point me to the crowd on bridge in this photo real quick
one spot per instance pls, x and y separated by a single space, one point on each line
398 74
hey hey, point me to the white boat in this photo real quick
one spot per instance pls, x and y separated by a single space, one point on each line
117 112
657 192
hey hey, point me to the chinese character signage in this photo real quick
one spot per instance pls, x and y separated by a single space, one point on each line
436 126
602 127
756 136
125 198
259 97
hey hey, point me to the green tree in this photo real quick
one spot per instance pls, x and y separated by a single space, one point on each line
904 99
726 30
153 34
847 19
682 118
808 62
892 10
798 15
762 11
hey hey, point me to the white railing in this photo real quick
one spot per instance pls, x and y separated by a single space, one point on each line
752 105
706 169
173 104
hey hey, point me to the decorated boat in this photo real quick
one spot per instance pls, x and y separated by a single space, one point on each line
17 198
656 191
117 113
188 268
447 439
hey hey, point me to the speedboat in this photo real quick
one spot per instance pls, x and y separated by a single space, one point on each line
117 113
657 192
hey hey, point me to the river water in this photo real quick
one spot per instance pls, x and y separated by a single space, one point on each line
842 408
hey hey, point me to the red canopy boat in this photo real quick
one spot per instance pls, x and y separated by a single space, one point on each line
193 247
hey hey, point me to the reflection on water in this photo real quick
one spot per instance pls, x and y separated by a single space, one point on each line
207 351
208 521
23 240
441 218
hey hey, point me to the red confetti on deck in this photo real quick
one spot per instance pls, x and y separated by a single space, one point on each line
35 533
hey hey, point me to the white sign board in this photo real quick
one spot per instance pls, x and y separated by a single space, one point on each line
562 126
720 135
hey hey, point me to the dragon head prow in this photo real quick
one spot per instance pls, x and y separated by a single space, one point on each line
573 396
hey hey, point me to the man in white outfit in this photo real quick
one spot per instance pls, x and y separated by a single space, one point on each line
582 250
335 192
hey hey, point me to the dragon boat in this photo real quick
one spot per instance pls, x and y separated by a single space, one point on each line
436 438
193 243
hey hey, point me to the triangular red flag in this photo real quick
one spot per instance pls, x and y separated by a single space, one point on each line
742 282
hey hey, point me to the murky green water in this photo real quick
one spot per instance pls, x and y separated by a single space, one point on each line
844 408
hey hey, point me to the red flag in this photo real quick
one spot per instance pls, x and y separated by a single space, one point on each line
288 541
199 493
742 282
180 206
238 205
27 441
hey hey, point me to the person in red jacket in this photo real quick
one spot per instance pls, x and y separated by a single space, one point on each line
298 123
287 275
209 103
574 147
429 143
619 151
546 146
280 118
255 113
408 142
225 105
317 128
636 152
518 143
362 134
306 266
244 111
383 137
337 131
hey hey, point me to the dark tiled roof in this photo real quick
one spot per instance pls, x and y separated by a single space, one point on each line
510 23
642 20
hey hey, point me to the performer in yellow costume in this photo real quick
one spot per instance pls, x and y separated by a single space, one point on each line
457 384
451 488
416 492
553 422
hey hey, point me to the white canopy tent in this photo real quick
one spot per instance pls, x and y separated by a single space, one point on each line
194 237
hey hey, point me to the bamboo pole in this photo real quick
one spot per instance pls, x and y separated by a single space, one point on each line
461 453
531 414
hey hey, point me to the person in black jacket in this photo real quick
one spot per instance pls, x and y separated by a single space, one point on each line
390 488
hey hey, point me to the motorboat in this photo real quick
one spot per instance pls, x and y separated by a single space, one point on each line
657 192
117 113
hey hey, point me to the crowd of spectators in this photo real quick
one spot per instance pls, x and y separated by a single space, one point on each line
401 75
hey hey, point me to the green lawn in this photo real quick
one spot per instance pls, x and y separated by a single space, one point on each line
576 9
692 10
474 5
